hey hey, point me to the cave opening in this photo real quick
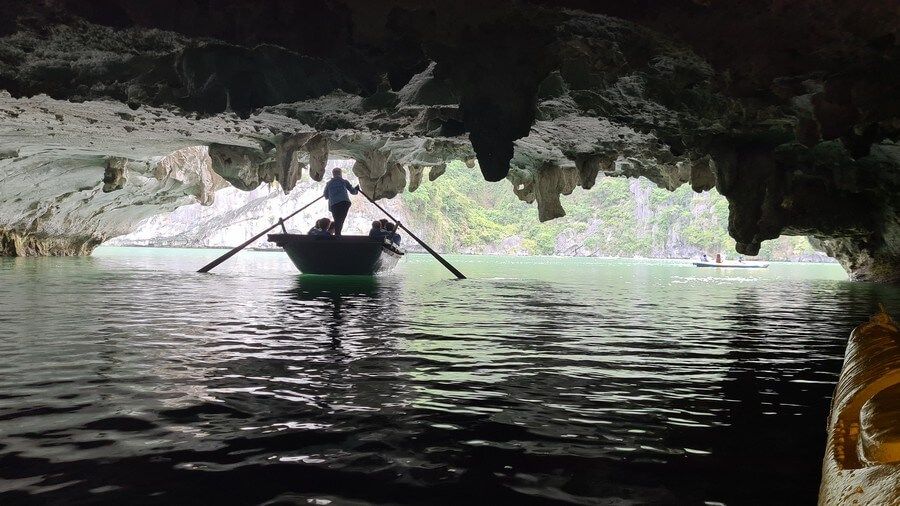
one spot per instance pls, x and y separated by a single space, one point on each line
460 213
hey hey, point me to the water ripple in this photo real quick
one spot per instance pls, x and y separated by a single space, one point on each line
127 377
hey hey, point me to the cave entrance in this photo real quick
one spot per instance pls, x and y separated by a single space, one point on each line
457 212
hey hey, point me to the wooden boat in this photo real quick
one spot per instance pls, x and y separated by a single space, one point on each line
344 255
733 264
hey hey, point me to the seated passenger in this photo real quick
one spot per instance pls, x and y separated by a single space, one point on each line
321 227
390 233
376 231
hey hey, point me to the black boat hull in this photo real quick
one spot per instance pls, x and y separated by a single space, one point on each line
345 255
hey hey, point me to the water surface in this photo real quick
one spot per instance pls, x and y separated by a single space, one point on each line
128 378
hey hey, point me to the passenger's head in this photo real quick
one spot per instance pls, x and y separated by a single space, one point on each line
389 227
383 222
376 225
330 227
337 172
323 223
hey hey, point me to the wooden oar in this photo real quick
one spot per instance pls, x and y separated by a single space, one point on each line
434 253
208 267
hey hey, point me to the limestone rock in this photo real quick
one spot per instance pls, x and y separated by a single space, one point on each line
191 168
317 147
114 175
703 174
240 166
800 134
17 244
415 176
551 182
436 171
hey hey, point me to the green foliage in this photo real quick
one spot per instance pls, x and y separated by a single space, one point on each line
618 217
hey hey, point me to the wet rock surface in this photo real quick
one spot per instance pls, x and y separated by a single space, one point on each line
789 110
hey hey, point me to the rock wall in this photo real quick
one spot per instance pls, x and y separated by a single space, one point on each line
236 215
19 244
789 109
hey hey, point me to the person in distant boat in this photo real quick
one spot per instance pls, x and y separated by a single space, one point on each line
390 233
718 258
338 198
321 227
704 258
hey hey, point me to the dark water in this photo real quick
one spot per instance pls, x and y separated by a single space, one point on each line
126 378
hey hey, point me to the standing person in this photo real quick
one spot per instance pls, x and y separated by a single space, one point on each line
338 199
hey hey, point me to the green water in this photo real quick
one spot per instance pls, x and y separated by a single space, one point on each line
127 377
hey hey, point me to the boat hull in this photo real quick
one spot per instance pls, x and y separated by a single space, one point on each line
733 265
346 255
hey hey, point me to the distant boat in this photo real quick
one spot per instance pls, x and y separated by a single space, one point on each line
344 255
732 264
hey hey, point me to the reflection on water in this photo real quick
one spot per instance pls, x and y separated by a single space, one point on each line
127 377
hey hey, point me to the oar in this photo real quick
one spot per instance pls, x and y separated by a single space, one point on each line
210 266
434 253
